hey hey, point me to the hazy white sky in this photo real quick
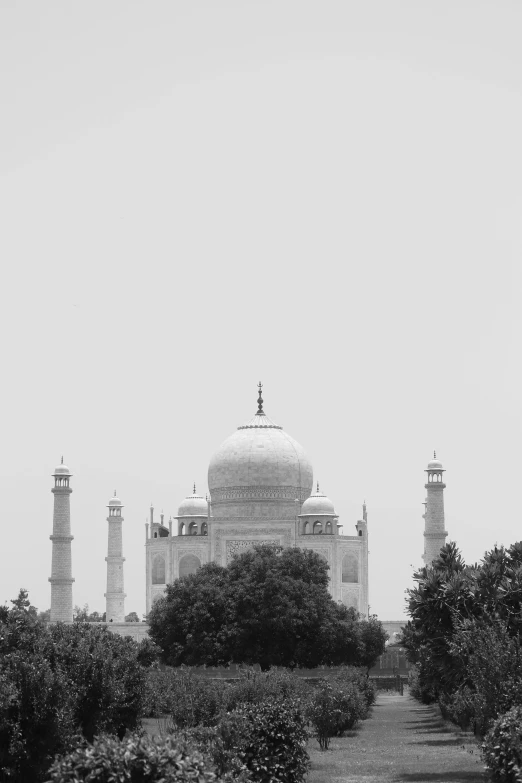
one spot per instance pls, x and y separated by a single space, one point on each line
194 196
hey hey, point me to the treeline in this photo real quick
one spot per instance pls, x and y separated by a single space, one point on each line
61 685
464 638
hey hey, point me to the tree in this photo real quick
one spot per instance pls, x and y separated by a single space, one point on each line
82 615
269 606
132 618
373 639
58 682
450 596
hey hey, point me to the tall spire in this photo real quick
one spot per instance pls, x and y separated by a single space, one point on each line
61 578
260 411
115 596
194 491
434 454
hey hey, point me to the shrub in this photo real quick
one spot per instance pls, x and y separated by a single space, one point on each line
419 689
492 664
255 686
134 759
36 716
262 742
273 741
502 748
358 677
148 652
222 745
324 714
189 700
104 674
459 707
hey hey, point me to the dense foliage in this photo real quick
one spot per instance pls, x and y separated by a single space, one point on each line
464 633
59 684
269 606
221 716
464 638
502 748
135 759
337 705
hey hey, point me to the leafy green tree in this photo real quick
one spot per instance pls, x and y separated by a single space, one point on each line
132 617
269 606
58 682
109 681
452 602
373 639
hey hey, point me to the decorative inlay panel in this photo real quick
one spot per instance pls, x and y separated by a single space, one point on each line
236 546
266 493
197 552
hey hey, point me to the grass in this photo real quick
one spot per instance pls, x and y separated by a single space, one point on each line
401 741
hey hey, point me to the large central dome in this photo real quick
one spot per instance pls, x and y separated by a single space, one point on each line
259 462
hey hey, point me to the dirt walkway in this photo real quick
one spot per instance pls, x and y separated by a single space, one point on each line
402 741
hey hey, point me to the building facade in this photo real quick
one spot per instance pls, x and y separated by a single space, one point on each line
260 484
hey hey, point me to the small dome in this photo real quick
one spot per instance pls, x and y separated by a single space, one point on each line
114 501
62 470
193 506
318 505
435 463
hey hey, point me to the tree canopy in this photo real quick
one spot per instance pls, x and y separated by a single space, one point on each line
454 607
269 606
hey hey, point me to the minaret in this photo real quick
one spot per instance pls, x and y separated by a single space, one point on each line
115 603
434 533
61 569
362 532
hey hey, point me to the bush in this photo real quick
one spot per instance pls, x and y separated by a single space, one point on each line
222 745
135 759
418 688
255 686
36 717
57 683
273 739
189 700
459 707
325 715
356 676
262 741
148 652
103 673
502 748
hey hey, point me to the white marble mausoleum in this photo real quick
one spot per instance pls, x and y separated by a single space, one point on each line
260 484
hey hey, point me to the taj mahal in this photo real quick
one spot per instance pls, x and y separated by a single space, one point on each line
260 490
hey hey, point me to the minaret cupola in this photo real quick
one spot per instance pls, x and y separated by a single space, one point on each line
193 515
318 515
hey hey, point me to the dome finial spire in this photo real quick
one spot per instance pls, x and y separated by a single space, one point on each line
62 461
260 411
434 454
317 487
194 492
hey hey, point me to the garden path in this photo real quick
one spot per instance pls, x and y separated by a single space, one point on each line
402 742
